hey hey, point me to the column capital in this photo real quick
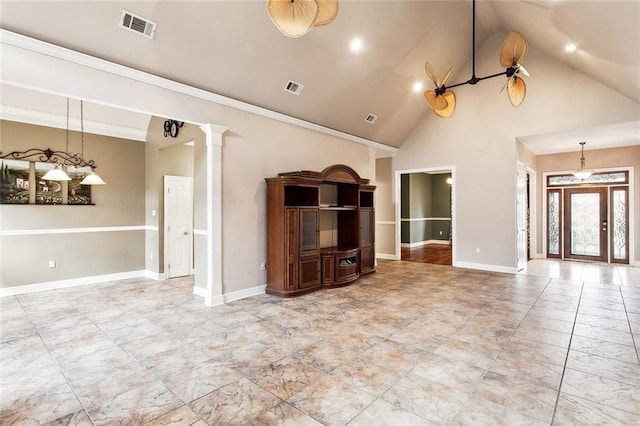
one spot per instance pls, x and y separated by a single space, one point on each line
214 133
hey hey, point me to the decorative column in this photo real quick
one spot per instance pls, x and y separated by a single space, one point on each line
213 295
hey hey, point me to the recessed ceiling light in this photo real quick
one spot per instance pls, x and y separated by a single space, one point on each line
356 45
418 86
570 48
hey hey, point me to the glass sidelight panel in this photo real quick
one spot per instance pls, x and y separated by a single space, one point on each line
553 218
619 225
585 225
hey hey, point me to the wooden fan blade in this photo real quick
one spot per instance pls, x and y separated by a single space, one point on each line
445 78
437 102
431 73
513 50
450 97
516 89
293 18
328 10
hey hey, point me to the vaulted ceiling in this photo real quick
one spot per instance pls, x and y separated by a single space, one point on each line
233 49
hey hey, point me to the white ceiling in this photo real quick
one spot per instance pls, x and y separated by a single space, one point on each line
233 49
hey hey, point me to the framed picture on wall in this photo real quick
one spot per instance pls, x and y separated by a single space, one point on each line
47 191
14 182
79 195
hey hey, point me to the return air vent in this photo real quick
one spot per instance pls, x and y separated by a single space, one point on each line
293 87
137 24
371 118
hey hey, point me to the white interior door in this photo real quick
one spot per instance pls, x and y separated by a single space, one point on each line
178 219
521 217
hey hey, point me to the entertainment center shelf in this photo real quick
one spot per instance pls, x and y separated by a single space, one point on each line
320 230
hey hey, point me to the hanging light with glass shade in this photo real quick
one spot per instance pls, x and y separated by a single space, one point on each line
57 173
92 178
582 172
61 159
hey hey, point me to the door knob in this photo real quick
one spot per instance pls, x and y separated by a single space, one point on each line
186 233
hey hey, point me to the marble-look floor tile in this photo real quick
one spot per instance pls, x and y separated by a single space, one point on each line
198 380
449 372
613 393
178 417
284 414
135 406
168 362
331 401
79 418
483 411
539 373
608 335
240 402
518 395
479 354
543 335
577 411
104 384
286 377
371 377
384 413
606 367
428 399
623 353
48 404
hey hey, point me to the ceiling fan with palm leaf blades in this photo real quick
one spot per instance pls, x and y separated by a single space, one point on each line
514 48
294 18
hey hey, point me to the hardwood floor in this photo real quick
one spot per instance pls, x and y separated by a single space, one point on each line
438 254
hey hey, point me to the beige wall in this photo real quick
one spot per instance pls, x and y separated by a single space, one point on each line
595 159
385 209
24 258
164 156
479 140
255 148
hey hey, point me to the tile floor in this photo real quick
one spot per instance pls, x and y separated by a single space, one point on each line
411 344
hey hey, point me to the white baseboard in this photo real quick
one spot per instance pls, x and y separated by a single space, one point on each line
155 275
386 256
73 282
230 297
485 267
424 243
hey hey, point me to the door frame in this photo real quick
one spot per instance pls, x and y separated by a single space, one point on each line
165 220
397 199
632 224
530 222
604 215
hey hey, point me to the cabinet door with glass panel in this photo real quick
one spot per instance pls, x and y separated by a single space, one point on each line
309 235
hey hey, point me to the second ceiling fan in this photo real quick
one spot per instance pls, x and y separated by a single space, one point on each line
512 52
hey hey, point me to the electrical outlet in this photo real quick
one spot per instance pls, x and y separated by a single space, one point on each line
478 250
151 256
52 264
263 266
440 232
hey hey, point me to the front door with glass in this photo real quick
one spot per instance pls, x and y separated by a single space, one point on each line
585 224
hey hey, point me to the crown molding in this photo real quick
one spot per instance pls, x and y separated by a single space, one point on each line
58 52
40 118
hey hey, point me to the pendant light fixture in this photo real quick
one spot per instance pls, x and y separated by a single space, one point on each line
57 173
582 172
92 178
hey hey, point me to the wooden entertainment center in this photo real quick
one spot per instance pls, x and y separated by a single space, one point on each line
320 230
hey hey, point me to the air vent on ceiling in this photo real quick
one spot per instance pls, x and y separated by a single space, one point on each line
371 118
137 24
293 87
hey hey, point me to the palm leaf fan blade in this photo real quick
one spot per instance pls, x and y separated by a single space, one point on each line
450 97
431 73
293 18
516 90
327 12
435 101
513 50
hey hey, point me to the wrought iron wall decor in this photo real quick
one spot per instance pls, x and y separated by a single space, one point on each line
50 156
172 127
